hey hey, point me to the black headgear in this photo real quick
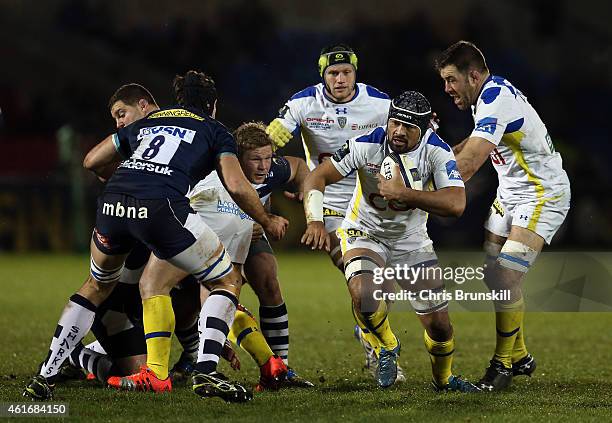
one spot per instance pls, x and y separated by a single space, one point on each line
411 108
334 54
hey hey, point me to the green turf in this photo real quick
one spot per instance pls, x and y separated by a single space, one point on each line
573 380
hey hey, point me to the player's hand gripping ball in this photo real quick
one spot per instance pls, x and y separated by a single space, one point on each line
402 167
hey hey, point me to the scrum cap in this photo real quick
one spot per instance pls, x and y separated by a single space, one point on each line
411 108
334 54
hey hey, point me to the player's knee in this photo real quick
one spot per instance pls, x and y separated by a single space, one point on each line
363 266
357 305
104 276
215 267
262 274
492 250
362 295
269 292
95 291
516 256
431 306
231 282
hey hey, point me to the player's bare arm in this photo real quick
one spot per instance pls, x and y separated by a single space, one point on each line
102 159
268 205
258 231
472 156
446 202
247 198
315 235
457 148
299 172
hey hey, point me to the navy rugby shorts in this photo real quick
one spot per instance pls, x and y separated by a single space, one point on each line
160 224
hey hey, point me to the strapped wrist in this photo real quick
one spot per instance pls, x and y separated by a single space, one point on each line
313 206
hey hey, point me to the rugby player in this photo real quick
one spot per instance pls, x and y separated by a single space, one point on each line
326 115
145 201
267 172
533 196
120 347
386 226
234 230
214 204
129 103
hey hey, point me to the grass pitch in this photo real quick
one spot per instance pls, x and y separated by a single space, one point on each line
573 381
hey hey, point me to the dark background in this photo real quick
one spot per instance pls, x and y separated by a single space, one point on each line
61 61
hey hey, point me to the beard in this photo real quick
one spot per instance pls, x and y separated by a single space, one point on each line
399 145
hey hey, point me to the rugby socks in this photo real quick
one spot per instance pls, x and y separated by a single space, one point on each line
245 334
96 346
98 364
510 342
520 349
216 317
441 358
189 339
508 321
275 328
158 320
378 324
365 333
73 325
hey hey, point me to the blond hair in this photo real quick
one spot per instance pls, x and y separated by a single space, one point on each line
251 135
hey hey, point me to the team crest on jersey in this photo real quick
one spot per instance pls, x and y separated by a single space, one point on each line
342 121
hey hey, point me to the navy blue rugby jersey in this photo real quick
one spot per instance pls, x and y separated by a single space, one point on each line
167 153
278 175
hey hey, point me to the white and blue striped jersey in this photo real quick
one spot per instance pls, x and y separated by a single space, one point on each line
528 167
211 188
325 126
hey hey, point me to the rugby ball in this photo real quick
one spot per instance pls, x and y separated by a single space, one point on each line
406 167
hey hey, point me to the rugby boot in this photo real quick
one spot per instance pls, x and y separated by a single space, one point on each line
496 378
525 366
293 380
217 385
272 373
456 383
145 380
386 372
39 389
182 369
